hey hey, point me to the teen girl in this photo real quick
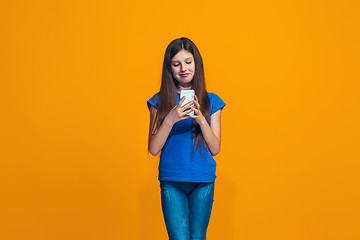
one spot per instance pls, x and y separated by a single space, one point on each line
187 142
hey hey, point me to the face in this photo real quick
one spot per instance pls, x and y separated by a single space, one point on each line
183 68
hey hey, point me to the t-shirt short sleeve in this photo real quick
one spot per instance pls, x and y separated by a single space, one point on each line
216 103
154 100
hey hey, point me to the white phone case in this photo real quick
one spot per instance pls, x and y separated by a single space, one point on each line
189 96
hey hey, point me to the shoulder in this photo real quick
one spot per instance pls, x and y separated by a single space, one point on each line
213 96
154 100
216 102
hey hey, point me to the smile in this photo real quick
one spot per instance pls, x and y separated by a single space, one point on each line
185 74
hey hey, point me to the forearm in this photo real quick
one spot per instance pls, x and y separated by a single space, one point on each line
158 139
210 138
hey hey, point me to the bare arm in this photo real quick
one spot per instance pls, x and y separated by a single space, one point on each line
158 138
212 135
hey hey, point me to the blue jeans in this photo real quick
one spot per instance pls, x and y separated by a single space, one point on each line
187 208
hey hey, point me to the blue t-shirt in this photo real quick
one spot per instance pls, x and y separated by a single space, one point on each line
177 160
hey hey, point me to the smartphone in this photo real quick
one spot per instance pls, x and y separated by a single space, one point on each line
189 96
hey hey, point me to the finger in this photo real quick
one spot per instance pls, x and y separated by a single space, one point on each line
186 106
197 104
194 116
195 110
181 102
187 112
185 117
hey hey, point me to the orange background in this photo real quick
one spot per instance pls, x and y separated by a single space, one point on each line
75 77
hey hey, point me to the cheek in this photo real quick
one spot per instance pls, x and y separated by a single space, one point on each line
193 67
173 70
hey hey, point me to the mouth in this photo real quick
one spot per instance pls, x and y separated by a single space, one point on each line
185 74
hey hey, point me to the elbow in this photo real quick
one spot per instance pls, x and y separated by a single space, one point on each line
215 148
215 152
152 151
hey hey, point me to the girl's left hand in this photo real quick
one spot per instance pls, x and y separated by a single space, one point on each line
199 118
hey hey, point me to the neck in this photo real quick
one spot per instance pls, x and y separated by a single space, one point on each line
184 88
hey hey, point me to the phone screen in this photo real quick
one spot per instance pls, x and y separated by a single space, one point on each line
189 96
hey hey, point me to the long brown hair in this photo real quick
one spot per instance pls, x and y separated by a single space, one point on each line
168 89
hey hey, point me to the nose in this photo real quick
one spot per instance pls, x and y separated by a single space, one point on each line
183 68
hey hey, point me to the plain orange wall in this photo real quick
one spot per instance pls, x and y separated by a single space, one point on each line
75 77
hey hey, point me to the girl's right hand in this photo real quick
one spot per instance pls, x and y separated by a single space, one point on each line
178 113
